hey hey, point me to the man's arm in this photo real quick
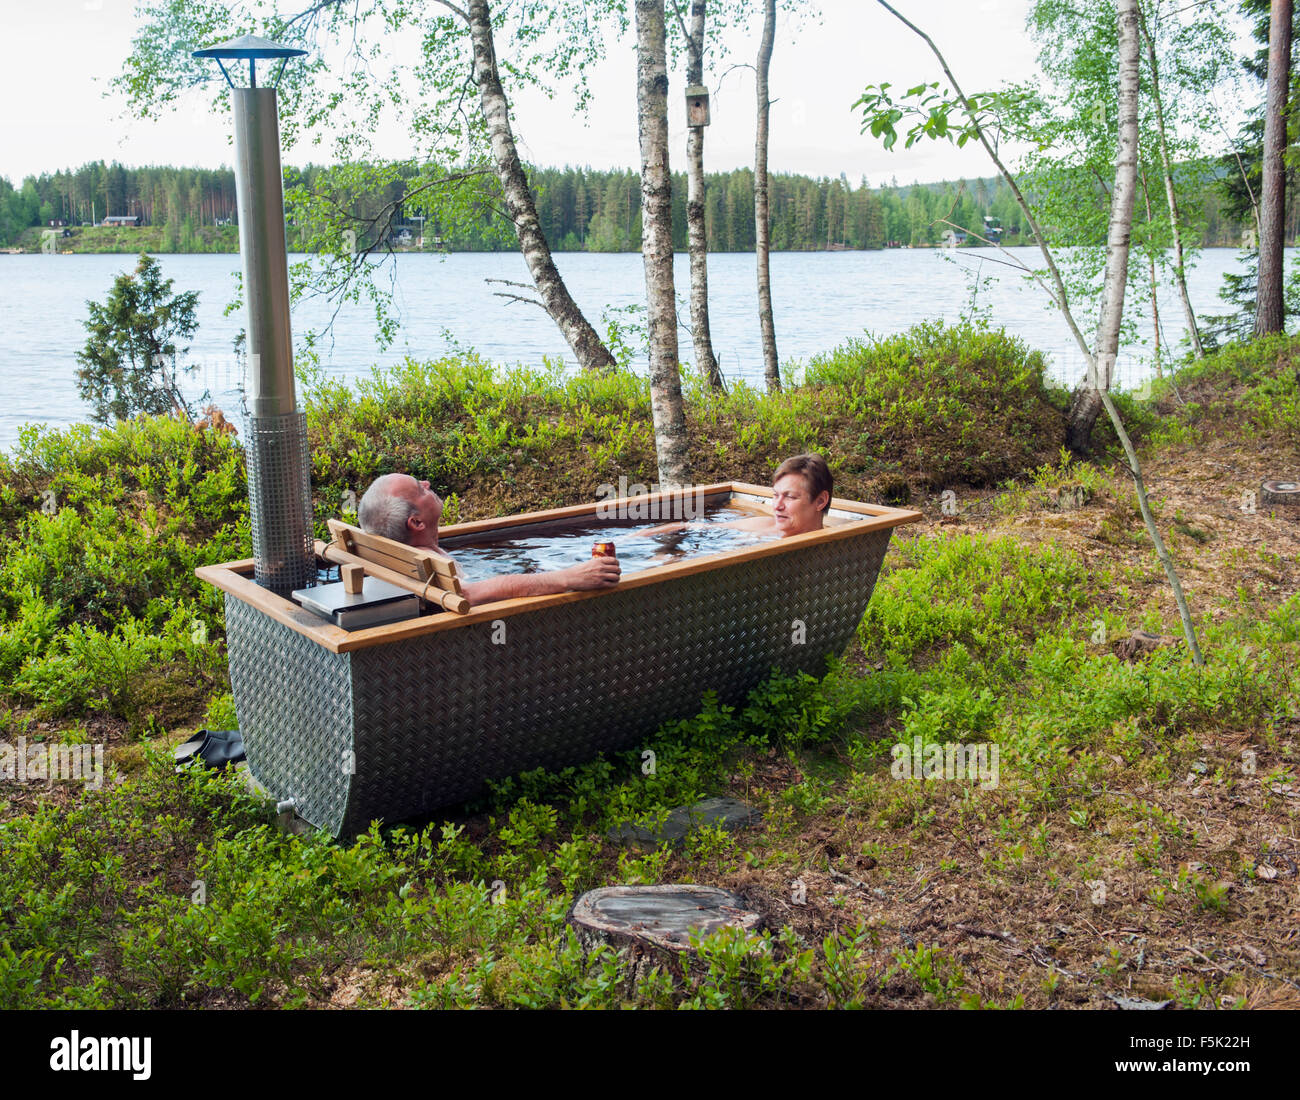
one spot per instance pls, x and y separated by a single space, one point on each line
663 529
594 573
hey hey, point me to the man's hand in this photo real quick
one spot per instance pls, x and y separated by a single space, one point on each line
592 573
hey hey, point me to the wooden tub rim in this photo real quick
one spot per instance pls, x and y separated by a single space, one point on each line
235 577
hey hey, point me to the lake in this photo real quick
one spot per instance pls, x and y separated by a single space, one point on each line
820 299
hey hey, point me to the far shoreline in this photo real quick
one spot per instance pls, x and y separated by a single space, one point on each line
19 251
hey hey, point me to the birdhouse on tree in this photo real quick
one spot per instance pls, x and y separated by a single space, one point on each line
697 105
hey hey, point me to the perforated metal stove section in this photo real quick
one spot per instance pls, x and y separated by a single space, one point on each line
279 500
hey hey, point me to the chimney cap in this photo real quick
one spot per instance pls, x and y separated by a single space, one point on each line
249 46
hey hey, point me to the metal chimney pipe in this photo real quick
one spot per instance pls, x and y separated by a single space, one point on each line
270 390
275 439
278 462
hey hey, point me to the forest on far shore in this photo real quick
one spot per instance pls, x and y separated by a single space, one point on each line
581 209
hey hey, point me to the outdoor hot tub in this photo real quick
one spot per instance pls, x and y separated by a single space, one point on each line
393 722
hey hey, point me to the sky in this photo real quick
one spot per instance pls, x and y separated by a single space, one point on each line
61 55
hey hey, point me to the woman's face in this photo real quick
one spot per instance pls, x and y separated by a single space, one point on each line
793 506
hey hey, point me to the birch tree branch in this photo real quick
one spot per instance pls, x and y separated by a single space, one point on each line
1062 297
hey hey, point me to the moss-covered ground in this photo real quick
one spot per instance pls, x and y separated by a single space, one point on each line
1139 840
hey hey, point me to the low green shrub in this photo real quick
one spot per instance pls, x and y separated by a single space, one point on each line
1254 383
962 403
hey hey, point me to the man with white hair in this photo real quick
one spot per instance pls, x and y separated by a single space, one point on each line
401 508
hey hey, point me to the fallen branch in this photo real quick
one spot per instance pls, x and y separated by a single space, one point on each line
875 891
971 930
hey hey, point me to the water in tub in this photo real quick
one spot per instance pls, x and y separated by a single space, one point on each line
544 547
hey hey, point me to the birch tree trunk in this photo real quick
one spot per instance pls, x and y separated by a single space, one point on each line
1112 305
771 371
671 442
1087 403
1272 207
1128 60
587 346
705 361
1175 223
1155 284
1097 397
1155 313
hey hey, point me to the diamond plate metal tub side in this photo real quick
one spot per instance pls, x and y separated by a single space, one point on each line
435 717
293 699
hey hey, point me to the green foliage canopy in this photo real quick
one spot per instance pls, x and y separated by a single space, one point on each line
372 66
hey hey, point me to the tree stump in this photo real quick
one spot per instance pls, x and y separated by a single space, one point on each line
1280 494
653 923
1068 498
1140 643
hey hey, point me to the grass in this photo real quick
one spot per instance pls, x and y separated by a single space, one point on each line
1142 807
132 241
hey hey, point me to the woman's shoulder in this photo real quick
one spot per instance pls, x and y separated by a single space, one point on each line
752 523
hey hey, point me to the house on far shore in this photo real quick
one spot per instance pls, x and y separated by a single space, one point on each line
127 220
